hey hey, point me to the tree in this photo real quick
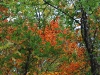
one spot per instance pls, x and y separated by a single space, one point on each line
35 40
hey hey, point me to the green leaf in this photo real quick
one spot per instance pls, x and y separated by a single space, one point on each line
7 45
98 59
7 58
74 55
0 72
22 51
64 58
16 55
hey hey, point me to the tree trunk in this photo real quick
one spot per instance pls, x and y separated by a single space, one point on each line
88 42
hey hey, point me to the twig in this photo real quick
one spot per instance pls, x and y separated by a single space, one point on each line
51 63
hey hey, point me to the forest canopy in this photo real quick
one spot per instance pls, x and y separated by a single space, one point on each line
49 37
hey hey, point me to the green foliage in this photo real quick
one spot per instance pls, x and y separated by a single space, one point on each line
7 45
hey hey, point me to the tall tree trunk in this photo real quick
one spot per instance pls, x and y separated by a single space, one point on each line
88 42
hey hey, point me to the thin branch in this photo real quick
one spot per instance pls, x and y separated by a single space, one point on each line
51 63
61 11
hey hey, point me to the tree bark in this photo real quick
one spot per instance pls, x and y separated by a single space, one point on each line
88 42
26 67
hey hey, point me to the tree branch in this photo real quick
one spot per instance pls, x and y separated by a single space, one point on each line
27 62
61 11
51 63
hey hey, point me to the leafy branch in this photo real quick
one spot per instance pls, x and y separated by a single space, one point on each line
61 11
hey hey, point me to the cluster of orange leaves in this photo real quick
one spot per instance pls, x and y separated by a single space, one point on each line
3 9
77 63
49 33
9 30
73 47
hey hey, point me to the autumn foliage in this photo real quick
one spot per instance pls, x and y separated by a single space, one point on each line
76 62
53 39
49 33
